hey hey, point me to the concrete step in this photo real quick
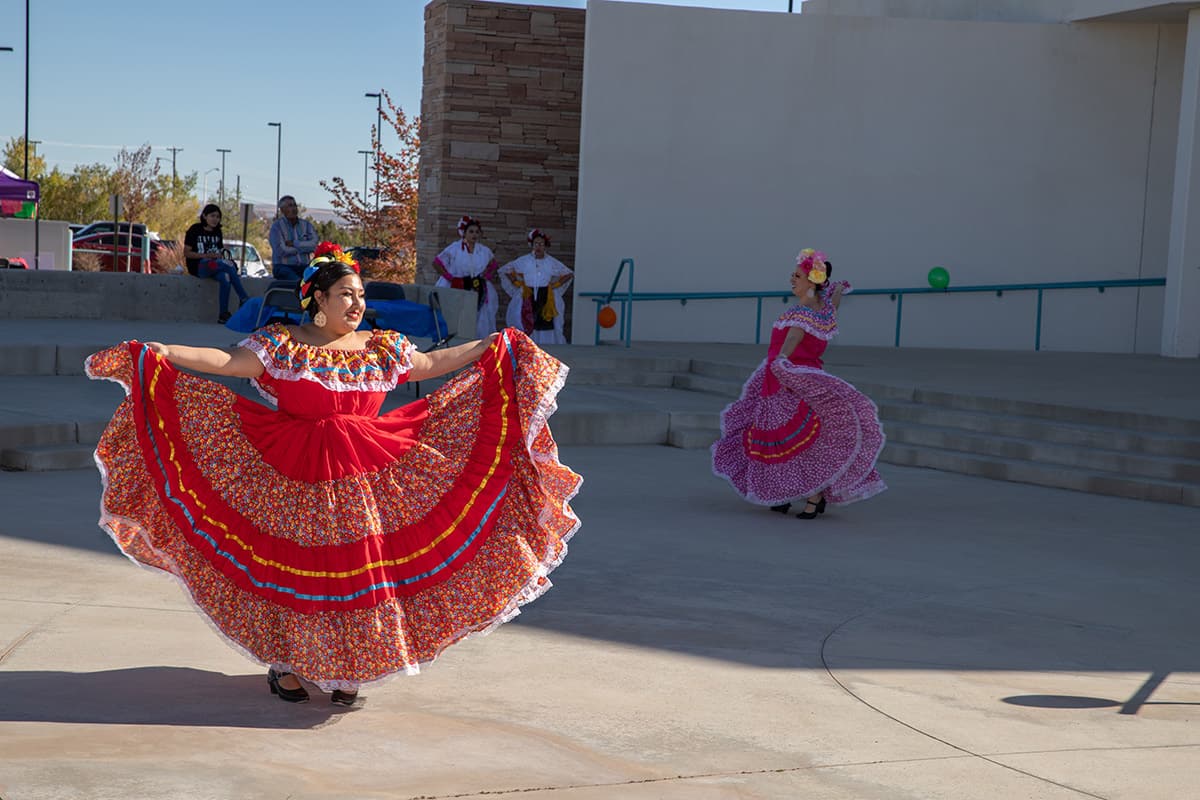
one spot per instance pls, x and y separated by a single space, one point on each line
703 383
1056 476
1148 423
725 371
592 361
985 444
692 438
48 457
610 427
589 377
1062 433
710 420
37 433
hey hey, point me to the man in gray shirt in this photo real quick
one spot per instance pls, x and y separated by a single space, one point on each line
292 241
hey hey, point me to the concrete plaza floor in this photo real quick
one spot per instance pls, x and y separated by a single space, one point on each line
954 638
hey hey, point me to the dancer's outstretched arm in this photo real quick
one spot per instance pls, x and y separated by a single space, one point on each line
236 361
439 362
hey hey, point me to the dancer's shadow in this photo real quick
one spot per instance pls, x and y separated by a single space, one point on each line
154 696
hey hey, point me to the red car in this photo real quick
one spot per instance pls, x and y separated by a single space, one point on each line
134 248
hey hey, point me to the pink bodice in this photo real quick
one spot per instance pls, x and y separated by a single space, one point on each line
807 353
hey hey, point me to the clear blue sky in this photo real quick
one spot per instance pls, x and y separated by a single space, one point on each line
212 74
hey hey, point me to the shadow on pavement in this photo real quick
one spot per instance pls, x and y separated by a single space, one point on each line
157 696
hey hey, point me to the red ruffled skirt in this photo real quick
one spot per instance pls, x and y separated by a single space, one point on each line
444 517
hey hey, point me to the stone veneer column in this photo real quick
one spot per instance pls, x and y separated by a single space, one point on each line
500 111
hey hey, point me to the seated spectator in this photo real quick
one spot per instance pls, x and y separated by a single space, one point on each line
202 246
292 241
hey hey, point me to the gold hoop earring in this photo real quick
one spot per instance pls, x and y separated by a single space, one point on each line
319 319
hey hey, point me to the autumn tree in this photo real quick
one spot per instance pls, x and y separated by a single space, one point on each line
394 225
14 159
79 196
164 203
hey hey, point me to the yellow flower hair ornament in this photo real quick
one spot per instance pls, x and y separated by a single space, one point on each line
812 263
328 252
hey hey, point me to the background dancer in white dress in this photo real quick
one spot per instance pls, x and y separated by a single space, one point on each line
467 264
536 282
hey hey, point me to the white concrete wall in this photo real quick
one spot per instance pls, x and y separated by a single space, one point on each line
53 239
1005 10
716 144
990 10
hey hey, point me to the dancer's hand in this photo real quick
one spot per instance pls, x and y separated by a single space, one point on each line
158 348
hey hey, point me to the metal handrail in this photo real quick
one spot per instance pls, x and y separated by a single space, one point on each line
626 319
897 295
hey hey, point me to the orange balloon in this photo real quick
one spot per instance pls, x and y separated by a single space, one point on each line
606 317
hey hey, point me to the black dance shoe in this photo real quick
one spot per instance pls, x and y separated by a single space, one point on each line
343 698
782 508
285 694
806 514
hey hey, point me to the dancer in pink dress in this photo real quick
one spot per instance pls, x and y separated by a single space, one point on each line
797 431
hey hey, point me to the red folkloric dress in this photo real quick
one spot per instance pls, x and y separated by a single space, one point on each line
321 537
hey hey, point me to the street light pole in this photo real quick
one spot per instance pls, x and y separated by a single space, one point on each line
223 151
26 89
378 138
278 126
204 191
364 154
9 50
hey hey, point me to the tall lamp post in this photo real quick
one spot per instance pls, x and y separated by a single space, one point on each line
364 154
27 90
9 50
204 191
223 151
278 126
378 138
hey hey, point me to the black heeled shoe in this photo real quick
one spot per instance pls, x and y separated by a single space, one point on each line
338 697
288 695
821 505
806 514
782 508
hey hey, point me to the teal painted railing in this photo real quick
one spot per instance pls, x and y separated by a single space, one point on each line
897 295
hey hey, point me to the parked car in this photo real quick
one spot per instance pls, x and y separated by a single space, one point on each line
133 246
255 268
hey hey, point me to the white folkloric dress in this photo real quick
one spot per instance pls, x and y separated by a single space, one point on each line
536 286
472 270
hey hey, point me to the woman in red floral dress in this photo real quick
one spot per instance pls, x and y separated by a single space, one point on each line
321 538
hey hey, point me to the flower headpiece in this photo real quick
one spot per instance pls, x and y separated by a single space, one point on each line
465 222
326 253
812 263
535 233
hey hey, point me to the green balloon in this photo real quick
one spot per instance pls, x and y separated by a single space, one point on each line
939 278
